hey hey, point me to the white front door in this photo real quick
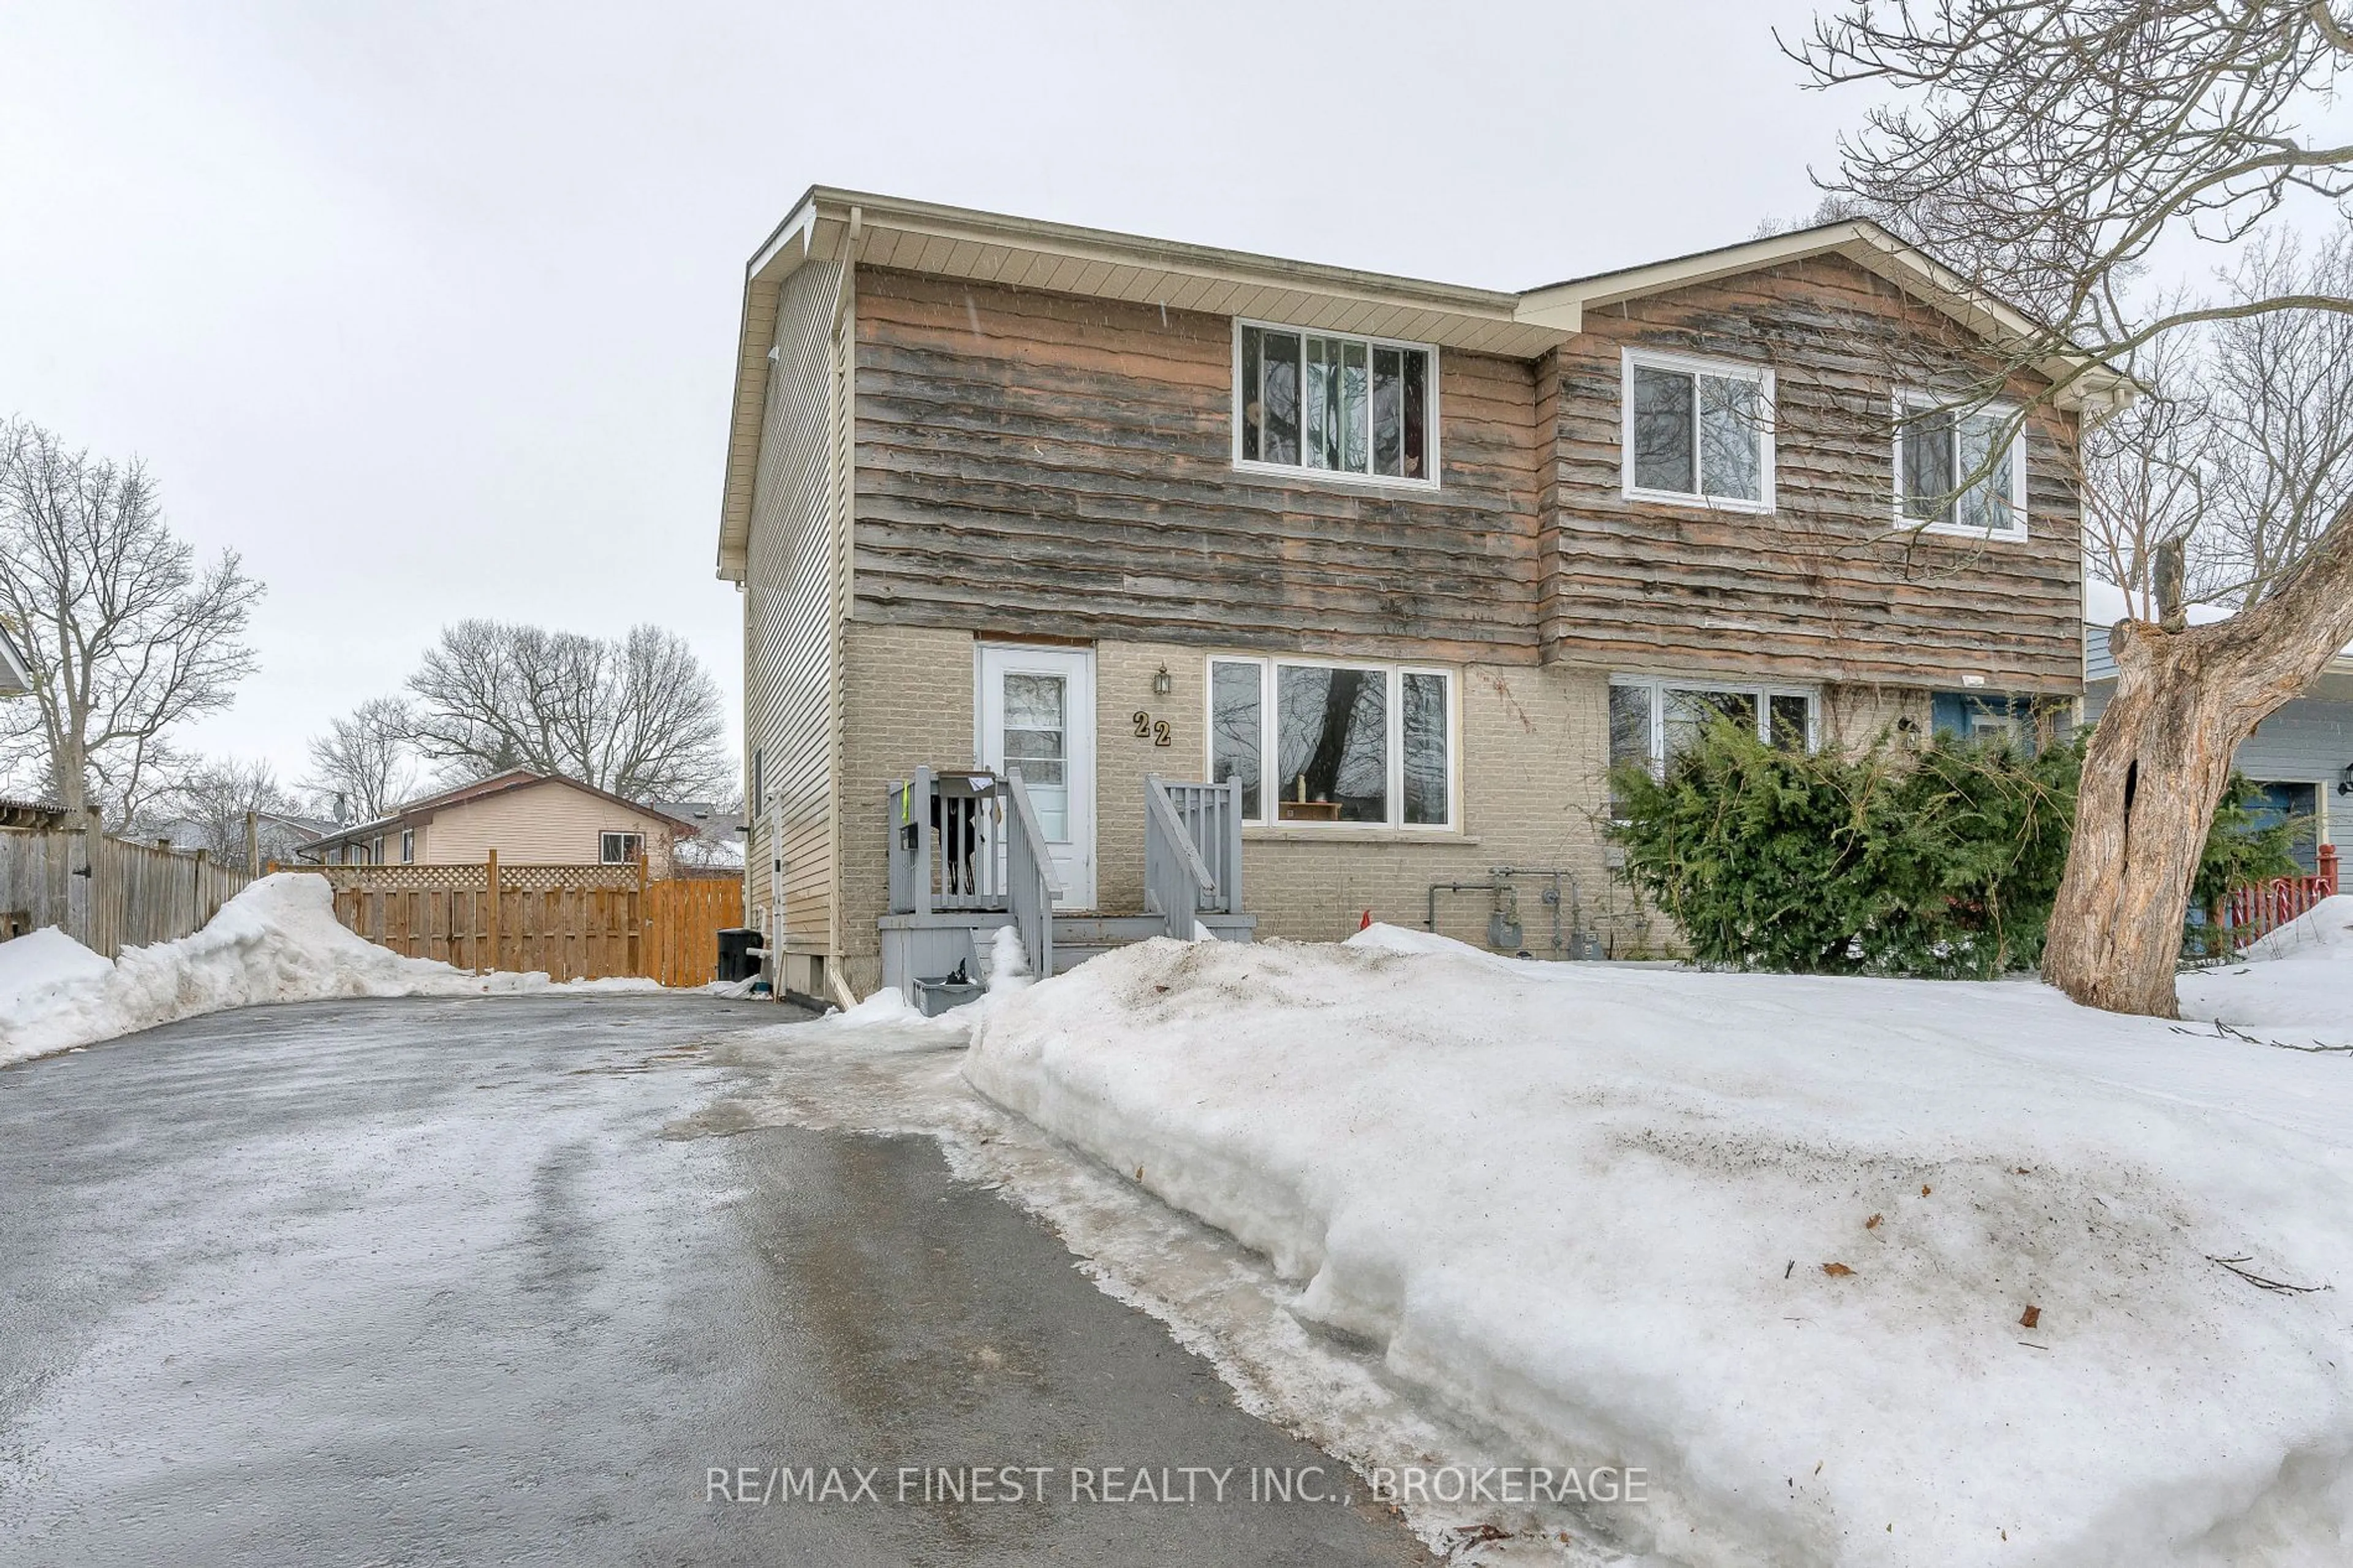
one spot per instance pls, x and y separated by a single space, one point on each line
1035 708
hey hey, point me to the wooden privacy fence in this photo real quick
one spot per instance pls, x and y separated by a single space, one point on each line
575 922
106 893
684 917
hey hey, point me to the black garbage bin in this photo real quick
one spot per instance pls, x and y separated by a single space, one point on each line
736 959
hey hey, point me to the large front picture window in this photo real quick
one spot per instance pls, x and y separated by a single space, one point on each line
1333 742
1334 404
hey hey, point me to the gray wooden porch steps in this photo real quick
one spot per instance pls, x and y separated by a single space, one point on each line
1078 937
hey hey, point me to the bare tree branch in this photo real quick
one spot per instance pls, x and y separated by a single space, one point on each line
365 765
638 715
2046 151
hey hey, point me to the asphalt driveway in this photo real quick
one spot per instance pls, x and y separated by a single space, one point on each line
391 1282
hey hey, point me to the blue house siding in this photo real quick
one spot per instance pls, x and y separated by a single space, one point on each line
2307 742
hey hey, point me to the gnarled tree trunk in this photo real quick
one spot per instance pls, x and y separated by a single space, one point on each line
2157 766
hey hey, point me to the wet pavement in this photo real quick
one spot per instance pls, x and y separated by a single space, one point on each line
426 1281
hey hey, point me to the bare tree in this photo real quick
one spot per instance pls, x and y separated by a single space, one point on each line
366 765
2282 412
638 715
123 634
2147 470
2050 150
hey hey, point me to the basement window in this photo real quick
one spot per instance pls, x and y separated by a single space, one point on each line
1342 406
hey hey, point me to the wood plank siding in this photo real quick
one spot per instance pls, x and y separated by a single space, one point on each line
1824 588
793 603
1032 463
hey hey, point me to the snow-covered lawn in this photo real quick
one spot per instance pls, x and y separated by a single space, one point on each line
2298 987
1858 1271
277 941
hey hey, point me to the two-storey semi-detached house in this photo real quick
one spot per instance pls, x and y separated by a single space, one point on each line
1407 564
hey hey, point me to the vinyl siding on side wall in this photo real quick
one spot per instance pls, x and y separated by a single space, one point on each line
793 595
2309 741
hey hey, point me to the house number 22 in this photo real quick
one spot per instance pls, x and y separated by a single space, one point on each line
1147 728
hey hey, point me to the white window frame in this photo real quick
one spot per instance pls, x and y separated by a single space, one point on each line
376 850
408 846
1268 789
625 834
1763 691
1912 402
1695 365
1341 476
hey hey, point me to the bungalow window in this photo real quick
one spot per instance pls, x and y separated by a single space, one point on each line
1959 471
619 848
1651 722
1334 404
1371 746
376 850
1697 430
407 845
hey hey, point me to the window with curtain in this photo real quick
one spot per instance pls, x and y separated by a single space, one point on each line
1334 404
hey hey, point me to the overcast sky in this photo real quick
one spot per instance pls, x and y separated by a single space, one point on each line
427 310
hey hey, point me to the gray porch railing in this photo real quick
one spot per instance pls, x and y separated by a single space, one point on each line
1029 886
1192 852
1211 815
968 842
944 851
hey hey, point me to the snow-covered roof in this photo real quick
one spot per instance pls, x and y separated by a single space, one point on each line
2106 603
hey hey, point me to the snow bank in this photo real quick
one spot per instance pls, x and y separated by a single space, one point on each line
275 941
2295 985
1860 1271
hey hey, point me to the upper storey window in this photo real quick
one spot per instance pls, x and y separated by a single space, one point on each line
1698 431
1959 471
1339 405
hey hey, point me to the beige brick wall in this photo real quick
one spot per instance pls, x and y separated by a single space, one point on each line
1855 716
907 700
1534 747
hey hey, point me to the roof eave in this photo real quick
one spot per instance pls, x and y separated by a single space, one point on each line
2085 383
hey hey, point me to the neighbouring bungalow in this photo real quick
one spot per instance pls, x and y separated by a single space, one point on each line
530 818
15 680
1102 585
2300 759
277 835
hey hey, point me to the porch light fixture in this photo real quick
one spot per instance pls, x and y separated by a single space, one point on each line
2345 785
1162 685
